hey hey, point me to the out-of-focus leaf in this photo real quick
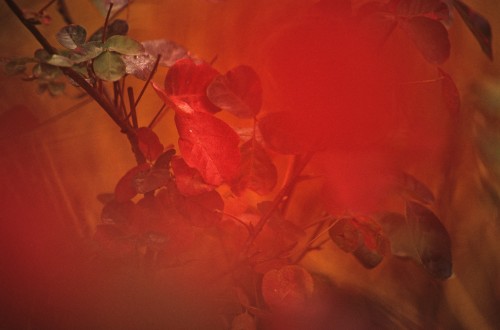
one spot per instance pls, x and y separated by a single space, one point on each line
170 51
113 241
139 65
209 145
149 143
115 212
243 321
239 92
103 5
124 45
431 239
17 65
56 87
151 180
86 52
478 25
46 71
163 160
42 55
71 36
281 132
430 37
451 95
362 237
61 61
399 234
287 288
257 171
126 188
417 7
117 27
109 66
188 180
203 210
186 84
415 188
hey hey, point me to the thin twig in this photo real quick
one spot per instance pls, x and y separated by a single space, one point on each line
106 21
157 116
46 6
130 92
151 74
62 8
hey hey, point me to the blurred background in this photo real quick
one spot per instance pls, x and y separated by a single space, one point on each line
58 154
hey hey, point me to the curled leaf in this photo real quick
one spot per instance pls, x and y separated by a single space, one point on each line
123 45
478 25
188 180
430 37
431 239
238 91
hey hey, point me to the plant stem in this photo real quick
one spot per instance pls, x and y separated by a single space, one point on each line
157 116
47 6
130 92
62 8
151 74
106 21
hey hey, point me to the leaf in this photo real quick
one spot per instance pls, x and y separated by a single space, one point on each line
430 37
86 52
257 173
209 145
399 234
151 180
417 7
149 143
103 5
126 188
243 321
71 36
170 51
115 212
451 95
188 180
56 88
289 287
17 65
124 45
186 83
203 210
415 188
117 27
431 239
282 132
239 92
478 25
362 237
139 65
61 61
109 66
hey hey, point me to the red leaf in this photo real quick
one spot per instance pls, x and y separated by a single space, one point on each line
149 143
430 37
187 179
289 287
451 95
203 210
243 321
238 91
418 7
126 188
415 188
478 25
346 235
209 145
151 180
186 84
258 172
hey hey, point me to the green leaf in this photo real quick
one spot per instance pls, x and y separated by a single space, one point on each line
117 27
103 5
124 45
87 51
71 36
478 25
46 71
61 61
109 66
431 240
430 37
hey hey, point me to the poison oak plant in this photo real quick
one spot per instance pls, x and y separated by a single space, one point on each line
342 101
